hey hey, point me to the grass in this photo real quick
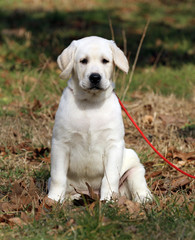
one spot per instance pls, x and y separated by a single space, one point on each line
162 88
107 222
29 49
164 81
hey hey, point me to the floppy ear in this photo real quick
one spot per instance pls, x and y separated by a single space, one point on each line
120 59
66 60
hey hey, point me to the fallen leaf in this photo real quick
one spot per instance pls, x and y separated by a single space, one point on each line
180 182
148 119
5 218
181 164
172 152
91 207
32 190
36 105
133 207
20 200
184 156
8 207
92 193
170 120
16 188
121 200
149 164
16 221
191 208
2 151
148 107
154 174
25 217
40 211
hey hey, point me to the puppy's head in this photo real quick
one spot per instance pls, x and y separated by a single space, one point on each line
91 60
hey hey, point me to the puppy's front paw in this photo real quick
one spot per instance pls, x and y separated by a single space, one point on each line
143 196
57 195
106 196
109 196
56 191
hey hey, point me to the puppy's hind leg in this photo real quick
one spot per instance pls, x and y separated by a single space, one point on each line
136 181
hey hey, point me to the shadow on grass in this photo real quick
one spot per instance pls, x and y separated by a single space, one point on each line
50 32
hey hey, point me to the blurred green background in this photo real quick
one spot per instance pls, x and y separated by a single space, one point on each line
33 33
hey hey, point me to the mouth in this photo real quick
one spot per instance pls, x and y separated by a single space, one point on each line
95 88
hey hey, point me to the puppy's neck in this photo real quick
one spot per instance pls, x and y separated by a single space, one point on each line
89 95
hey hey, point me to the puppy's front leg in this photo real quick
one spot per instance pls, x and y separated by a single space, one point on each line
59 168
110 181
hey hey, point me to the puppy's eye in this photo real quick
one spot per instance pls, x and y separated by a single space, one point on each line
104 61
84 61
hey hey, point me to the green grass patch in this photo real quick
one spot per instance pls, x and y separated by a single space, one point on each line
164 80
106 221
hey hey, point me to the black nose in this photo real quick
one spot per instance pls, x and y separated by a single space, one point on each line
95 78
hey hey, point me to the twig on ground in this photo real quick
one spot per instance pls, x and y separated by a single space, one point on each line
111 28
113 38
135 60
157 59
124 42
123 80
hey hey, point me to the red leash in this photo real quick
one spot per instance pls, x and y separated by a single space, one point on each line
187 174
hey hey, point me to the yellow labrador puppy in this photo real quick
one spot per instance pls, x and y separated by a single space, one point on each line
88 135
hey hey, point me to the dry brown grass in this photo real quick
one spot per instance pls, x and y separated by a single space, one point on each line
161 118
25 158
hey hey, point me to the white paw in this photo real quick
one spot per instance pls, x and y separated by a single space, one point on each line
143 197
106 196
56 191
55 197
75 197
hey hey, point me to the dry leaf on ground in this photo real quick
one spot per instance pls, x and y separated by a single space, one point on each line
180 182
16 221
169 119
133 208
184 156
93 194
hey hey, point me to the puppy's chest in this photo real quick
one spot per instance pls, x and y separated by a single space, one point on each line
87 139
87 154
88 124
89 136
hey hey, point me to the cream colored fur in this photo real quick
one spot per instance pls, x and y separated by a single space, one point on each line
88 135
